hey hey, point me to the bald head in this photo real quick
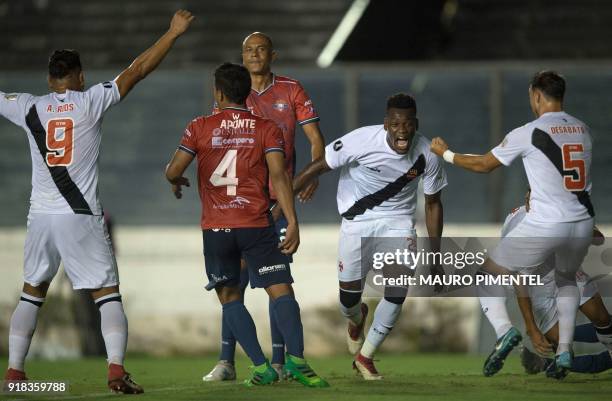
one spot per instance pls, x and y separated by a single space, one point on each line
259 35
258 54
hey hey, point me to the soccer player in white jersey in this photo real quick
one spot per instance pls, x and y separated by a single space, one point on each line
65 221
556 151
540 314
377 195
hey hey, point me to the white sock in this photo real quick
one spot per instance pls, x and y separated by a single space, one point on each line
352 313
568 298
494 308
604 335
114 327
385 316
23 324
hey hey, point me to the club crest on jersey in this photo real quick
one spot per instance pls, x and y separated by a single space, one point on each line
280 105
413 172
11 96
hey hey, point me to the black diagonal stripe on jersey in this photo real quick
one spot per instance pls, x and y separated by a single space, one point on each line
553 152
61 178
389 191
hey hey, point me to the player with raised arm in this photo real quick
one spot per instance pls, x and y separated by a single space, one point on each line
556 151
236 152
284 101
65 221
377 195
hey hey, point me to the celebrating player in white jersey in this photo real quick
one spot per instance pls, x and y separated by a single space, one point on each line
540 313
556 151
377 194
65 221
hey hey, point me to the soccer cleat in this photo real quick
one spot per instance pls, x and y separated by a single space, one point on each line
532 362
223 370
120 381
561 366
355 336
298 369
365 367
280 371
503 346
262 375
13 375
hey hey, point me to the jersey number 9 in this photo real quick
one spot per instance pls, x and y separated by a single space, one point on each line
60 141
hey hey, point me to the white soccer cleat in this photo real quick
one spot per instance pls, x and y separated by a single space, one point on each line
222 371
365 367
355 333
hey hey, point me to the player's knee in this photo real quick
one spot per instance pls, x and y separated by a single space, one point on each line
395 299
348 299
40 291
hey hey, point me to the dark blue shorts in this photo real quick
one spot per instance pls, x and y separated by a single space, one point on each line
224 247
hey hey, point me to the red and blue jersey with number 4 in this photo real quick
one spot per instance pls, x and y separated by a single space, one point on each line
231 149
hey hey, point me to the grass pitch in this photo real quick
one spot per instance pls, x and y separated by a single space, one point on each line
407 377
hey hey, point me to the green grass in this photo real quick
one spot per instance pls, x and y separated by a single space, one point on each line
420 377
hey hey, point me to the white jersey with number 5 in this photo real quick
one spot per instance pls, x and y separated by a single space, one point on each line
375 181
64 132
557 151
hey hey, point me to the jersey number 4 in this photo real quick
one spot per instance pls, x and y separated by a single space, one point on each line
573 168
60 141
225 173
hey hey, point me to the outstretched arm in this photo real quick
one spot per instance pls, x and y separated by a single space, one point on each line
284 196
175 169
476 163
317 150
152 57
312 170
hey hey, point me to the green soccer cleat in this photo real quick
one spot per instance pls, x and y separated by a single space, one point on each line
262 375
561 366
503 346
298 369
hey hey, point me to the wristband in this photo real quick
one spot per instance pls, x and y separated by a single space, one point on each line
448 156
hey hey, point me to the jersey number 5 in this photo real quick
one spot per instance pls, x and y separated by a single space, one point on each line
60 141
573 168
227 167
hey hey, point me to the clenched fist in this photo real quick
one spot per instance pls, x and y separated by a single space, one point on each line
180 22
438 146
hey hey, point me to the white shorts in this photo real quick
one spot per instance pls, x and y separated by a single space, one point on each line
349 248
80 241
531 243
544 303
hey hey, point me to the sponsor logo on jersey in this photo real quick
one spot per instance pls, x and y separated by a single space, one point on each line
11 96
217 132
280 105
338 145
376 169
107 85
340 266
225 230
271 269
240 201
218 141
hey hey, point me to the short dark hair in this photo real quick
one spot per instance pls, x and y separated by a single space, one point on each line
401 101
234 81
551 83
64 62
